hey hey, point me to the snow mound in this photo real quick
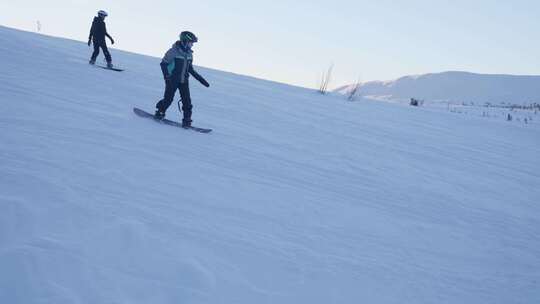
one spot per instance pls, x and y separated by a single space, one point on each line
456 87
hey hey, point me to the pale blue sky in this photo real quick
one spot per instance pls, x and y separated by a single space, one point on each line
294 41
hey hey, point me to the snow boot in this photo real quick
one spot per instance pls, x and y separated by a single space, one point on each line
109 65
186 123
159 115
92 61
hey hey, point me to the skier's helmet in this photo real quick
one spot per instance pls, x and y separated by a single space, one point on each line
102 13
187 36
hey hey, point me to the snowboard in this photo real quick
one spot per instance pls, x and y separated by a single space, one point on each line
165 121
112 69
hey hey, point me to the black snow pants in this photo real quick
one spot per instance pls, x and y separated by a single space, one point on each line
170 89
103 45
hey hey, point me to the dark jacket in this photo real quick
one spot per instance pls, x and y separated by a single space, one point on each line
177 64
98 31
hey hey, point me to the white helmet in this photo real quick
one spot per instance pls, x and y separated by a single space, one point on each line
102 13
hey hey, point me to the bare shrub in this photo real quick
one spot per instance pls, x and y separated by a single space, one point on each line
325 80
353 90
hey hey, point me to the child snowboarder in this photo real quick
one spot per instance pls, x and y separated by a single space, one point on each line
176 66
98 31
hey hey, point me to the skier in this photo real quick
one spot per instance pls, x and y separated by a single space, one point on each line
98 31
176 66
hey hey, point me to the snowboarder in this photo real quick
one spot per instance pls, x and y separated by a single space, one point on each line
176 66
98 32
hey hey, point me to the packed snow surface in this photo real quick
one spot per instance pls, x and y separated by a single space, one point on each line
293 198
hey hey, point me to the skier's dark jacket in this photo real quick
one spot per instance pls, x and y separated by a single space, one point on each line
98 31
177 64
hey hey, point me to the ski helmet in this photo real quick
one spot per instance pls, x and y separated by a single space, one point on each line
102 13
187 36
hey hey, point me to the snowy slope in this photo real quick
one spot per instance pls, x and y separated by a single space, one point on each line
294 198
456 87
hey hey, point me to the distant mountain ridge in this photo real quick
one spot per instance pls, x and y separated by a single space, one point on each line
456 87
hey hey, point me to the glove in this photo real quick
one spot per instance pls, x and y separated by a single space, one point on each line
205 83
89 42
112 41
